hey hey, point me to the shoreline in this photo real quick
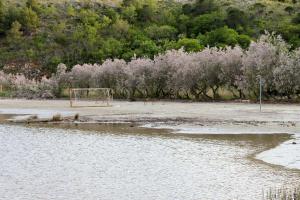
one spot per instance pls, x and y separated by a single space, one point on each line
181 119
127 128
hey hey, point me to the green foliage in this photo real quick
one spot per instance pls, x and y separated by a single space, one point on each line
120 28
184 23
1 6
14 35
289 9
296 20
146 48
71 12
48 32
1 16
161 32
5 94
207 22
33 4
236 18
291 33
111 48
221 37
189 45
30 20
200 7
244 41
88 17
258 8
130 14
145 14
11 15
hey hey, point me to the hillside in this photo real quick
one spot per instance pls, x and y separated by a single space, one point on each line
23 2
41 34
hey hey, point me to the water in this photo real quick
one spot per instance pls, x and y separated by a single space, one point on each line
49 163
286 154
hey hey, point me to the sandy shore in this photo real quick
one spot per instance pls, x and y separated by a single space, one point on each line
209 117
185 118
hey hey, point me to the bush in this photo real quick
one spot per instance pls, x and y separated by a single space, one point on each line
180 74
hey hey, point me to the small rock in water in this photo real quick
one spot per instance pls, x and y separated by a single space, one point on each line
56 118
32 117
76 117
294 143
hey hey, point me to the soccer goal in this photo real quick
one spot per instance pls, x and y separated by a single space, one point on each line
91 97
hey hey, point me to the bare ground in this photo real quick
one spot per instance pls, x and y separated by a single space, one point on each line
201 117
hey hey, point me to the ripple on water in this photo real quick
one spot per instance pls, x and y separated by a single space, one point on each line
45 163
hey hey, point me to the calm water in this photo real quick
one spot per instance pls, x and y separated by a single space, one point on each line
48 163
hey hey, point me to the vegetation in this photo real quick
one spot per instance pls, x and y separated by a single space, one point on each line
283 194
36 35
180 75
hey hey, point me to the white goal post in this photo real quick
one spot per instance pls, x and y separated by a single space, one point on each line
90 97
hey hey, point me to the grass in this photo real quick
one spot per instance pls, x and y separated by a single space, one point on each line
5 94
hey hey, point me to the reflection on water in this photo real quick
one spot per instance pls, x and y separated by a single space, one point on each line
48 163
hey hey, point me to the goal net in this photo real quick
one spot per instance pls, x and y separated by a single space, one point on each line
91 97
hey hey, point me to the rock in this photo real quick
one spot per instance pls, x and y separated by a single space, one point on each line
57 118
32 117
76 117
294 143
